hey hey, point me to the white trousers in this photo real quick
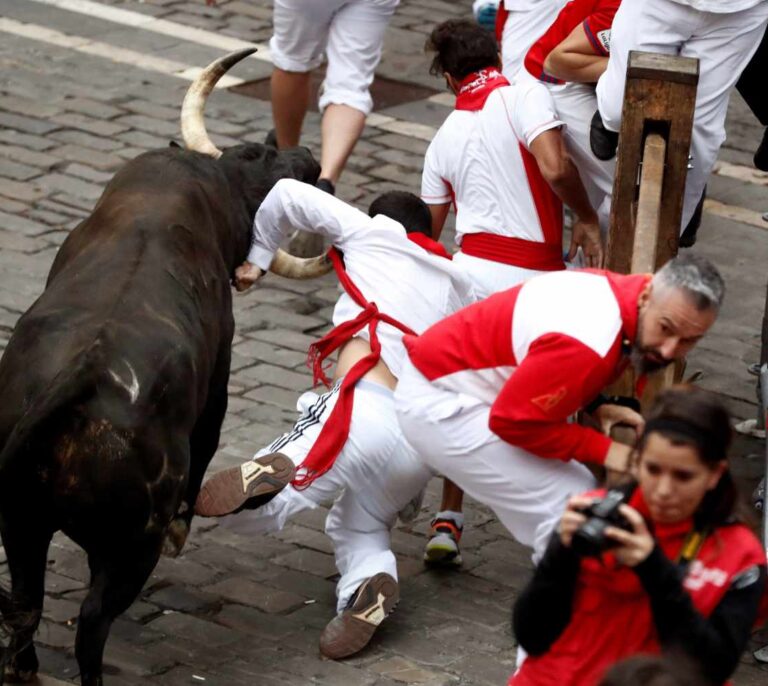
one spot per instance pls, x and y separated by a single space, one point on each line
723 43
489 277
349 32
374 477
521 30
450 432
576 103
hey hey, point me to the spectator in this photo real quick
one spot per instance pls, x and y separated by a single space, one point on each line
692 586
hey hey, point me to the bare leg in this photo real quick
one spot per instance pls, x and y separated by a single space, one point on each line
453 497
341 128
290 100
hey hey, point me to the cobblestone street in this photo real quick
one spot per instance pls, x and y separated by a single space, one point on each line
85 86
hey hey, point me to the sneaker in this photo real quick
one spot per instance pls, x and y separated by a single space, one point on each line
602 141
761 155
271 138
252 484
326 185
443 546
688 237
352 629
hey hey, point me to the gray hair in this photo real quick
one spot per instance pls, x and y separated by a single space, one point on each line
697 276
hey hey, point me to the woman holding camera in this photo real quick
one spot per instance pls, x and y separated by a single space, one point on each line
670 571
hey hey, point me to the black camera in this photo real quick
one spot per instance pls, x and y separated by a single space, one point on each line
590 539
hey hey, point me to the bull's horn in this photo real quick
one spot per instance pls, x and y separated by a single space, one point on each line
192 125
292 267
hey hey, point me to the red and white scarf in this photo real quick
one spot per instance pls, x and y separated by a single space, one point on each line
475 88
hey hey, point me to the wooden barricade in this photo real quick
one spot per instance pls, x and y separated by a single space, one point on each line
652 163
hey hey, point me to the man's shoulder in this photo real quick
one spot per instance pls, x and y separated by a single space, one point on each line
579 305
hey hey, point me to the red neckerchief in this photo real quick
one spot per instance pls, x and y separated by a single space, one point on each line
334 433
475 88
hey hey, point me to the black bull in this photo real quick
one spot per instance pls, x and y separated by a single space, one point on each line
114 383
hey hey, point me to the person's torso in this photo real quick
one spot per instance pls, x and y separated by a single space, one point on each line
477 349
496 182
405 281
719 6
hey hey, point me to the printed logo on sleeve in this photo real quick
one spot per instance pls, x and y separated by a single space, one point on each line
699 575
549 401
604 37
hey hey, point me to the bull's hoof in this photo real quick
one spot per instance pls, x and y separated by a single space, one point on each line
175 538
14 675
305 244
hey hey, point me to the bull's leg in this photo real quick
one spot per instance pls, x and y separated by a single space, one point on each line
202 447
116 581
26 549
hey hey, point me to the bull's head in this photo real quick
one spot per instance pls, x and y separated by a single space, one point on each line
296 163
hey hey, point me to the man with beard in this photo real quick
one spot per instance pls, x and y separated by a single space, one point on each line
485 395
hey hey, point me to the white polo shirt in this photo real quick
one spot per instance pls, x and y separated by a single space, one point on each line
480 160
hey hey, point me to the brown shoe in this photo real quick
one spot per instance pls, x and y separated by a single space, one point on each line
351 630
250 485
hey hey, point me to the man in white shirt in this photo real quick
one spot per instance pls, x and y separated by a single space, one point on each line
722 34
347 445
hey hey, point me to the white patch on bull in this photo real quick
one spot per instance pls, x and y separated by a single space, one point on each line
132 387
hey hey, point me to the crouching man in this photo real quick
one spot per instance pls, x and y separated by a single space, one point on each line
347 445
486 394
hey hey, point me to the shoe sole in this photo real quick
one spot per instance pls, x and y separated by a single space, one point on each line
229 490
348 633
442 557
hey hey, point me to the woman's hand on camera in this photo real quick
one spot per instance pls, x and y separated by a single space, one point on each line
573 518
634 546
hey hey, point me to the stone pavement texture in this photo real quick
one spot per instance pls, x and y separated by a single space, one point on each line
238 610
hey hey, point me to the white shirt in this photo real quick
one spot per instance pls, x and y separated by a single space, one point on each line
719 6
405 281
481 160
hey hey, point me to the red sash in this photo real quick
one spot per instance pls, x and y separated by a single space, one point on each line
545 257
334 433
477 86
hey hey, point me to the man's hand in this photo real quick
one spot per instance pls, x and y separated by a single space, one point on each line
210 3
608 416
246 275
619 458
587 235
635 545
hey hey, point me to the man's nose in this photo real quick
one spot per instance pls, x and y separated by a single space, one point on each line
670 348
664 486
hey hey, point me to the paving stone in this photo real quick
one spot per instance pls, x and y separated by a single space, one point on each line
28 157
26 124
247 592
196 630
310 561
71 186
16 171
22 225
88 156
182 600
91 108
87 140
92 125
402 670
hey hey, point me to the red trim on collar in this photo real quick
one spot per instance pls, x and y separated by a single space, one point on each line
477 86
429 245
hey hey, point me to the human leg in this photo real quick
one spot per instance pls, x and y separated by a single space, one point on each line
724 45
450 433
355 38
297 47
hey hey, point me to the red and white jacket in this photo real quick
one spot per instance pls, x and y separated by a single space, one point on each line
536 354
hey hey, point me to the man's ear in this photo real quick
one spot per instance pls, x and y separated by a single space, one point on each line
453 84
645 295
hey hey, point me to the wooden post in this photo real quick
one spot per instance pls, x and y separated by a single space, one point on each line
654 142
659 98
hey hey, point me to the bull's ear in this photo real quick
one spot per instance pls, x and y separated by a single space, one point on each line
173 144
